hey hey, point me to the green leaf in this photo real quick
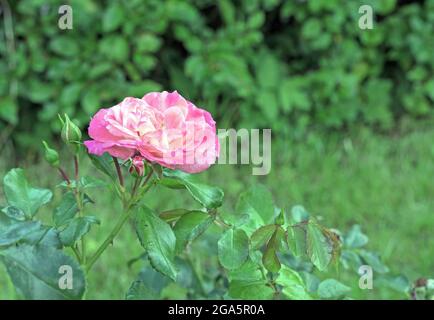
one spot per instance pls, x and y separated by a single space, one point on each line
374 261
399 283
257 202
115 48
311 281
299 214
14 213
28 232
293 285
15 232
113 17
233 248
172 183
355 238
104 164
34 270
76 229
249 271
261 236
332 289
266 100
153 279
189 227
9 110
350 259
292 96
64 46
40 92
251 290
319 248
235 220
227 11
268 71
269 259
256 20
66 210
311 28
45 235
174 292
86 182
139 290
70 94
19 194
90 100
158 239
6 221
158 170
209 197
173 215
148 43
99 69
297 240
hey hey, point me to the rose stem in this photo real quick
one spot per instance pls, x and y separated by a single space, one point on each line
136 184
122 219
64 175
79 204
109 240
118 170
148 177
76 168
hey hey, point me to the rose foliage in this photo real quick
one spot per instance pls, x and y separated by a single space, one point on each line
255 251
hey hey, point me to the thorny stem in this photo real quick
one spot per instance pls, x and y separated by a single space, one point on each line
122 219
128 206
79 201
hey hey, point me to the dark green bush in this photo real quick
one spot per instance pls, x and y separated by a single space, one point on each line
290 65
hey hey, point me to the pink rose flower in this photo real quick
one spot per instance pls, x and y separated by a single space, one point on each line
137 165
162 127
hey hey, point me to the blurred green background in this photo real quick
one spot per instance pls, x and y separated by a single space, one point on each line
351 110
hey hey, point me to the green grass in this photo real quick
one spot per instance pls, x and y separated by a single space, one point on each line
384 183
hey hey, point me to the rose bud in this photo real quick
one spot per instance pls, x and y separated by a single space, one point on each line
71 133
51 155
137 166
